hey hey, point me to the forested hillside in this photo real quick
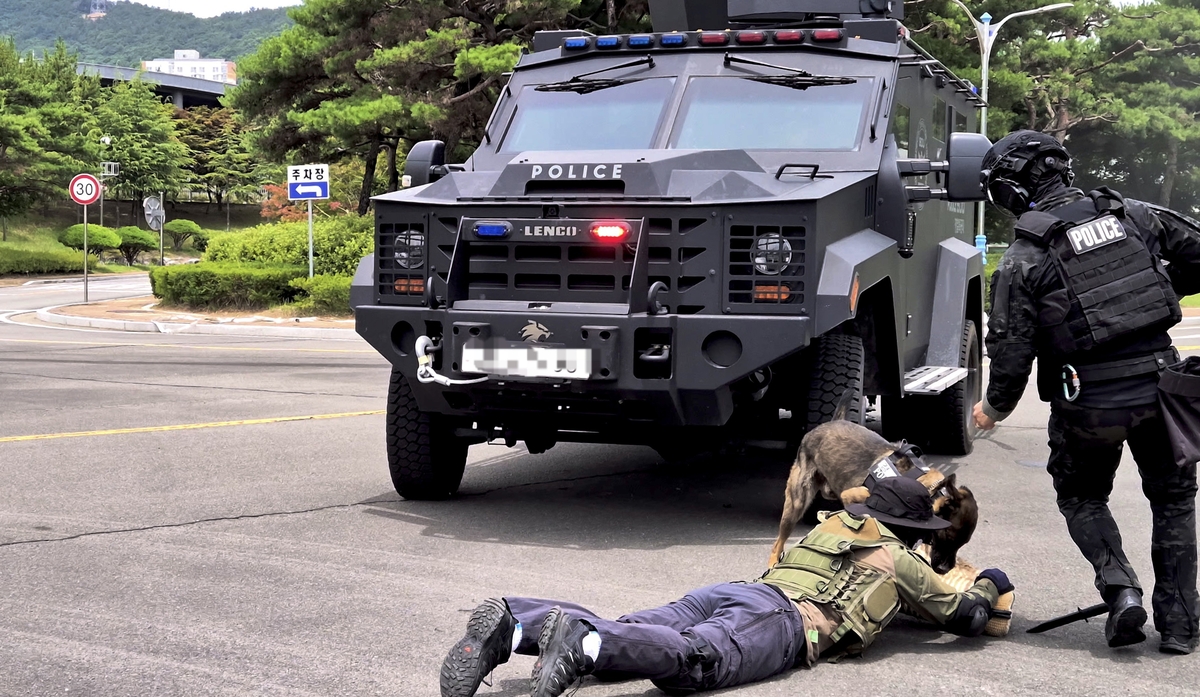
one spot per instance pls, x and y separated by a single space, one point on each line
132 33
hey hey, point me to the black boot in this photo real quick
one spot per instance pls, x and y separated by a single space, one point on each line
487 644
1176 646
1125 619
561 661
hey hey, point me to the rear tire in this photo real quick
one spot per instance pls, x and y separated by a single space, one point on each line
837 366
425 458
944 424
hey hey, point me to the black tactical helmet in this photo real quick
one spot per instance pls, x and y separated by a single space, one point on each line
1018 164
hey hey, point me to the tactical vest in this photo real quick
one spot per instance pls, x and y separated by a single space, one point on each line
821 569
1115 286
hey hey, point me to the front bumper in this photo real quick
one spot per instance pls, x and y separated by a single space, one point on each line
708 354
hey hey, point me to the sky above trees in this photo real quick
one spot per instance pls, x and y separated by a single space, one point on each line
212 8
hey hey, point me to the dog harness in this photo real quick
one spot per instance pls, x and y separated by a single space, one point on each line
888 467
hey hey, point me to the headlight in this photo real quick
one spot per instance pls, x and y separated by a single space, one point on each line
771 254
409 250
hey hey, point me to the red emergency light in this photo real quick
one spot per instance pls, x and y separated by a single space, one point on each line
789 36
827 35
610 230
751 37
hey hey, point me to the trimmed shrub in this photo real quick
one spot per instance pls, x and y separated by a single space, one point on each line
200 240
338 244
99 238
326 294
15 260
223 285
179 231
134 241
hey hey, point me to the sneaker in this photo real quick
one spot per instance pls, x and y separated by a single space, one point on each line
1125 619
561 661
487 644
1176 646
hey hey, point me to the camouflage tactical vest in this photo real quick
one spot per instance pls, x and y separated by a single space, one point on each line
821 569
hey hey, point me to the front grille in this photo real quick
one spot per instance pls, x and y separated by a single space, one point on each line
401 258
547 271
766 268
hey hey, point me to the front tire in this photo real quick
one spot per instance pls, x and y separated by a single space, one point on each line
425 458
943 424
837 366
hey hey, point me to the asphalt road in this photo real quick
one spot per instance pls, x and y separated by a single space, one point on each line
273 558
39 295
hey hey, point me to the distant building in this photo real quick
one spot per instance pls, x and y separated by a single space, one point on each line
97 9
190 64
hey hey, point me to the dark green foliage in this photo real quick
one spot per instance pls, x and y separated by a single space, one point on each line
325 294
216 285
15 260
338 244
98 238
179 231
132 32
134 241
200 240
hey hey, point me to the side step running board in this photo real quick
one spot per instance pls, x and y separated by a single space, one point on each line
932 379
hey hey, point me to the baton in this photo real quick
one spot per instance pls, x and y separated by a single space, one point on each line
1080 614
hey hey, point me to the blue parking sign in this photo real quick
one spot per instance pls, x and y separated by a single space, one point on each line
308 182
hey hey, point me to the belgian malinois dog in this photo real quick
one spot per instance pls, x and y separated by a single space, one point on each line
835 458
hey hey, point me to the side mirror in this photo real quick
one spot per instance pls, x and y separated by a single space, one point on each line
965 154
421 161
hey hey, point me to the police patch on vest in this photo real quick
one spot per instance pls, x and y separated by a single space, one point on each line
1096 234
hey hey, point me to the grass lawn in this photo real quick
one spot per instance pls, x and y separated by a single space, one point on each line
1191 301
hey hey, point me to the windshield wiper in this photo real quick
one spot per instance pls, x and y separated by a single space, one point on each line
797 79
582 85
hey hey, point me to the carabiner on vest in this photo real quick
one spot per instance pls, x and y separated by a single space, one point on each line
1071 385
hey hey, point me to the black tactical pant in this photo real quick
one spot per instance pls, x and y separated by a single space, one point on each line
1085 450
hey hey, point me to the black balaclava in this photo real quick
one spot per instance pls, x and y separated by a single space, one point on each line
1023 168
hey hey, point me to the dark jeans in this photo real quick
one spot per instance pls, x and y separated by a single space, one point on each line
752 632
1085 450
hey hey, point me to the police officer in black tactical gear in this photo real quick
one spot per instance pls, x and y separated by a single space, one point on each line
1084 289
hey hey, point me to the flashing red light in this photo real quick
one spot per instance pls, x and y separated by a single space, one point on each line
827 35
789 36
713 38
751 37
610 231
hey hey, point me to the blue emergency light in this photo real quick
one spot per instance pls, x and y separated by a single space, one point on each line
641 41
575 43
493 230
674 39
608 42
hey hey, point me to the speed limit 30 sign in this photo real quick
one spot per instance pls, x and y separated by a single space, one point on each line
85 189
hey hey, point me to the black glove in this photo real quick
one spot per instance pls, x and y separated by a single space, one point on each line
997 577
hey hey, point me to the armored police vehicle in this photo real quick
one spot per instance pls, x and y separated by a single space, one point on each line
704 234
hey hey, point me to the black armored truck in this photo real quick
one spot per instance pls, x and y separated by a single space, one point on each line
699 235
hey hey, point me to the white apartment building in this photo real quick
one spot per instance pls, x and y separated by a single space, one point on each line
190 64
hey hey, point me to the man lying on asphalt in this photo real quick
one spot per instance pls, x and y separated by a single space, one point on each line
830 595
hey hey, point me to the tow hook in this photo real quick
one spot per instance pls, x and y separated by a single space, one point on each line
426 374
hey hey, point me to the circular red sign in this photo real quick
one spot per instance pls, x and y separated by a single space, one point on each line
85 189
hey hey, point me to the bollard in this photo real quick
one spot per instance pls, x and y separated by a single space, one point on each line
981 245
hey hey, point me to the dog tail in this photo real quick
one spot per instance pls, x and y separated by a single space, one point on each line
844 405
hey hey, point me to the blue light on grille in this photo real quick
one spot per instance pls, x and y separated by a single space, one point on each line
492 229
674 39
575 43
640 41
608 42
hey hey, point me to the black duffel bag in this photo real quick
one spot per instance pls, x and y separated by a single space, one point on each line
1179 397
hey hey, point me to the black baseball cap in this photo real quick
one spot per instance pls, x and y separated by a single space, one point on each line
900 501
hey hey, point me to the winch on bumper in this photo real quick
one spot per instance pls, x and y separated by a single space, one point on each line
667 370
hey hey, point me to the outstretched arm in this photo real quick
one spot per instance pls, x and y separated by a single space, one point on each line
965 614
1010 339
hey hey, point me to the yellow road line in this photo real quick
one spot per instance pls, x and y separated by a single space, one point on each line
1188 348
185 346
187 427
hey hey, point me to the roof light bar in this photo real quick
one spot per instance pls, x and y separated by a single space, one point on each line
751 37
640 41
608 42
789 36
827 35
673 40
575 43
714 38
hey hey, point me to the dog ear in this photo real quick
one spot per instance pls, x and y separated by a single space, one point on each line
858 494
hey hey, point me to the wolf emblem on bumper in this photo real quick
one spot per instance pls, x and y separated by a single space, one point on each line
535 332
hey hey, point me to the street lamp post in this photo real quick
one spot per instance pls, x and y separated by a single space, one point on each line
987 32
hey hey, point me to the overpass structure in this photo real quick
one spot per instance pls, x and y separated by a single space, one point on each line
183 91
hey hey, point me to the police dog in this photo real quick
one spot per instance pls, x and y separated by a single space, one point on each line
837 456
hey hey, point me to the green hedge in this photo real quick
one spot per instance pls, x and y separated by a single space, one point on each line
325 294
338 244
15 260
222 285
99 238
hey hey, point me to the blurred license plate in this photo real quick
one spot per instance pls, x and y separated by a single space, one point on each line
529 362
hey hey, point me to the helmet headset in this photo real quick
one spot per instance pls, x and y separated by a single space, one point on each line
1022 166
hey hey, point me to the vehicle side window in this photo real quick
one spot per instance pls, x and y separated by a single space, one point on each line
901 123
939 120
960 122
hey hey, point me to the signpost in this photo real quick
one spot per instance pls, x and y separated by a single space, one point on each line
85 190
156 216
308 183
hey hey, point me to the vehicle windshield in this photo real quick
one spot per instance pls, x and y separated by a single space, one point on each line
624 116
735 113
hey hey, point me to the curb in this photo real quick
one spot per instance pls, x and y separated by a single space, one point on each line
79 279
48 315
